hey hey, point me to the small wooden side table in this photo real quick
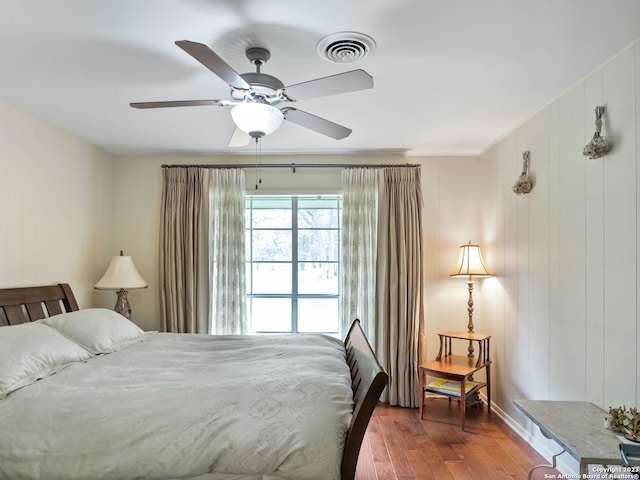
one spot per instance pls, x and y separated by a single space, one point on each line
457 368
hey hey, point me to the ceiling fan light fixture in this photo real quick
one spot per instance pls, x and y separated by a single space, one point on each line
257 119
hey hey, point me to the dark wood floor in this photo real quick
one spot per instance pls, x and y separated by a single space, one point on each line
399 446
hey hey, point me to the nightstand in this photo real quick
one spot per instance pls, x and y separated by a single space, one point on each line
454 373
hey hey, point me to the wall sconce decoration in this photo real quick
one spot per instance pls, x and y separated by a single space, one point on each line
524 184
598 146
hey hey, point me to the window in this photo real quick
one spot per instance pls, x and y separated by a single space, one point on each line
293 263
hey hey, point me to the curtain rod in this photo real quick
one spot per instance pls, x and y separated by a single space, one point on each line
293 166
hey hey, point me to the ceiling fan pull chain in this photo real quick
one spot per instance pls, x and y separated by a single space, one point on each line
256 162
260 170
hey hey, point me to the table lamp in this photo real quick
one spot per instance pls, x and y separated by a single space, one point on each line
121 276
470 264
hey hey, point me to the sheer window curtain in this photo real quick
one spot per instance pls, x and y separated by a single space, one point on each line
382 270
359 243
202 251
228 310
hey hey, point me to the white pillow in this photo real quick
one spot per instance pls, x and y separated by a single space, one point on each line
31 351
99 330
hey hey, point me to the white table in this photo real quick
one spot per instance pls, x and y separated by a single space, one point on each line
578 427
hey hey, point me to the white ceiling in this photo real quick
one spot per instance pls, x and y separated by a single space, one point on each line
450 77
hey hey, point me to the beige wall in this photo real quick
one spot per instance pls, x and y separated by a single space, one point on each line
56 195
565 307
451 191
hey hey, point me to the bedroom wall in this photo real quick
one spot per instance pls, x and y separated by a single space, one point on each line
565 308
55 205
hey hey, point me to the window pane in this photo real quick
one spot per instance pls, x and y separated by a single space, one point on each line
271 212
319 201
271 314
271 245
318 278
248 280
272 218
271 278
318 315
318 245
321 218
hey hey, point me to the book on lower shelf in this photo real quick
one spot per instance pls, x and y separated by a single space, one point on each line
449 387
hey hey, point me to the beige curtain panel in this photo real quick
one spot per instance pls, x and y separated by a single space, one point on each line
184 266
400 286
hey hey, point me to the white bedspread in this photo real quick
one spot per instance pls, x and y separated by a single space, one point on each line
184 405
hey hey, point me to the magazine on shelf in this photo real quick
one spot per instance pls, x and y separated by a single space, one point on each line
449 387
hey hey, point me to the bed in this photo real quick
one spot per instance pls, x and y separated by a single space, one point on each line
120 403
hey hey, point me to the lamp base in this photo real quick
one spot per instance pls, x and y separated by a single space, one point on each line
470 325
122 304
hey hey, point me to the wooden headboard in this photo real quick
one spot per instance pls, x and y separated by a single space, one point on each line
28 304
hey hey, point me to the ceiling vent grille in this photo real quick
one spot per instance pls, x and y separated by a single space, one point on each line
345 47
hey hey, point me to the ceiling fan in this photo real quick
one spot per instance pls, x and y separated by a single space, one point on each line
255 95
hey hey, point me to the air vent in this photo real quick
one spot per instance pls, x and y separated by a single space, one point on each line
346 47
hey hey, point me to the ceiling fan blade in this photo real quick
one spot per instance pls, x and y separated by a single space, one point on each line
341 83
213 62
239 138
181 103
315 123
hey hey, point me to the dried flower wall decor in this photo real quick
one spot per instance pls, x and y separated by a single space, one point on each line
598 146
524 183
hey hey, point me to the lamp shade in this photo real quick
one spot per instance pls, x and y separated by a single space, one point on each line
121 275
257 119
470 263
